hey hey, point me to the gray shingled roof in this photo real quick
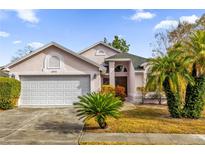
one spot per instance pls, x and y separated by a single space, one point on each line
136 60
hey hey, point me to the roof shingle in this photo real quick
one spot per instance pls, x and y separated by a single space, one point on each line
136 60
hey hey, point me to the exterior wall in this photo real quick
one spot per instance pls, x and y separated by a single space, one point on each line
139 82
91 53
112 73
71 65
131 82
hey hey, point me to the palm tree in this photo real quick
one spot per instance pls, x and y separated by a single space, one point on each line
194 51
165 72
98 106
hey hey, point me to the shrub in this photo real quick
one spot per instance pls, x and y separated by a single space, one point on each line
143 92
120 92
173 100
98 106
9 92
108 89
195 99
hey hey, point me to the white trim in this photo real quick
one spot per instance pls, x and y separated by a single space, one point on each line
120 59
57 73
46 62
84 50
140 71
56 45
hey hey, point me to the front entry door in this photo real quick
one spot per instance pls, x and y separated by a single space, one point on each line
121 81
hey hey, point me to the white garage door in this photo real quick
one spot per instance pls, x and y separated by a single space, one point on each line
53 90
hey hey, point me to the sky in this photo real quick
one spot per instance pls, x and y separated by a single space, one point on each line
78 29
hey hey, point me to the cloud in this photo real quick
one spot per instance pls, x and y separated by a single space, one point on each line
28 16
189 19
35 45
142 15
17 42
167 24
4 34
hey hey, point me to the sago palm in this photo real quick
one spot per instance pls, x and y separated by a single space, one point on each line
165 73
98 106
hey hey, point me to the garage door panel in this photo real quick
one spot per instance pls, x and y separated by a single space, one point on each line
53 90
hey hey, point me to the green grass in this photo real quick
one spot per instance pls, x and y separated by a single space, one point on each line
149 119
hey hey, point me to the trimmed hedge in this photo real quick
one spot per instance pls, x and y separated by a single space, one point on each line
195 96
172 100
9 92
108 89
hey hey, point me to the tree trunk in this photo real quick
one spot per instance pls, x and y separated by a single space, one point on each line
173 101
194 102
102 123
160 100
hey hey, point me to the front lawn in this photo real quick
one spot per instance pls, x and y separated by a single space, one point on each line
109 143
148 119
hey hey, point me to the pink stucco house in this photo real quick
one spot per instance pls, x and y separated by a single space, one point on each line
55 75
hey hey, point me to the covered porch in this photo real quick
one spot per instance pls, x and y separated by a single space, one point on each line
122 73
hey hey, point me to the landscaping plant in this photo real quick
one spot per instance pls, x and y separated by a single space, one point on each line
108 89
98 106
182 78
9 92
166 71
194 50
120 92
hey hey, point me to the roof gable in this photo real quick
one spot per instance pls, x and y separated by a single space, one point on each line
47 46
99 43
136 60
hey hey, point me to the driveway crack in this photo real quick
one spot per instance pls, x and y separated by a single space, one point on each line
27 123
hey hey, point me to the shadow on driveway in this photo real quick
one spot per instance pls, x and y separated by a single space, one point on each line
60 127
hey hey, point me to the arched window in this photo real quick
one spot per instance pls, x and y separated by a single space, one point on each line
120 68
54 62
100 52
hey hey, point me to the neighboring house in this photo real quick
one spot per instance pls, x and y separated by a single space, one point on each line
55 75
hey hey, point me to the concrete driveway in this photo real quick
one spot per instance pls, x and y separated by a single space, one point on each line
39 126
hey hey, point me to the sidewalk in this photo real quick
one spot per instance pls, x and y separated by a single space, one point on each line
144 138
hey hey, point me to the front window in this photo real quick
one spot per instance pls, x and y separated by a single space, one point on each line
120 68
54 62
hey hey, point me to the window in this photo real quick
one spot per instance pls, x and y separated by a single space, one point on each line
100 52
54 62
120 68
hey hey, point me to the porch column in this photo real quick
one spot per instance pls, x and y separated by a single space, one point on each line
112 73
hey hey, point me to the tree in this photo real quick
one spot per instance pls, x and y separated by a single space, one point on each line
189 40
22 52
143 92
184 30
118 43
165 72
194 51
161 44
